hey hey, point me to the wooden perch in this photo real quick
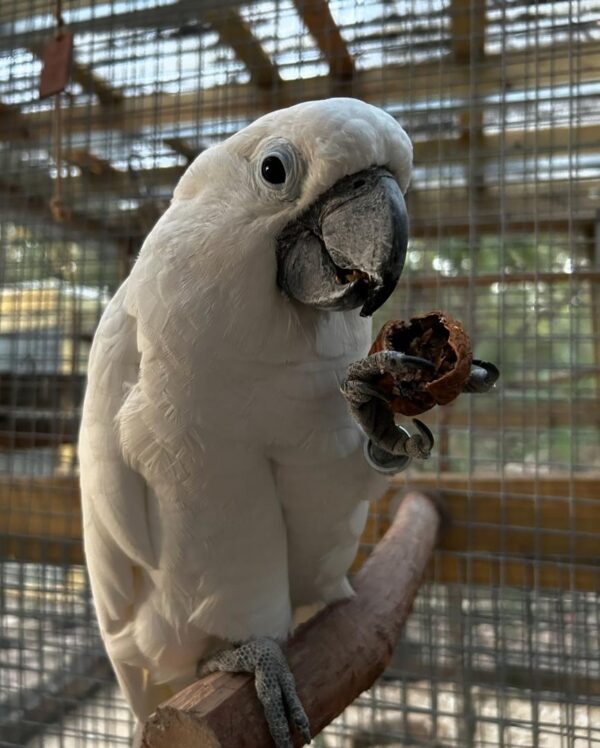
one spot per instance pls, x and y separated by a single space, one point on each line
334 657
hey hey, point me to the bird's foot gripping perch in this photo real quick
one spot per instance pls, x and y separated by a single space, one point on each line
390 447
275 686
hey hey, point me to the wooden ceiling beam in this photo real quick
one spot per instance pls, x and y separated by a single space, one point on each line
184 148
92 167
510 144
540 67
467 26
495 147
446 211
236 33
323 28
520 207
467 29
160 16
14 122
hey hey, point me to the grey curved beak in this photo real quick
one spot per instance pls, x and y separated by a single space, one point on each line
365 228
348 249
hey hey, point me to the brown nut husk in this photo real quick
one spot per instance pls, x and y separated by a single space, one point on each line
438 338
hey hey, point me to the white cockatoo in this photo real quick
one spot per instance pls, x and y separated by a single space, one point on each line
224 479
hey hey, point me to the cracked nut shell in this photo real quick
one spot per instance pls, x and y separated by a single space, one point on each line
438 338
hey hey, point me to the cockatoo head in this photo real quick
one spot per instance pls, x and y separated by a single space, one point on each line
318 187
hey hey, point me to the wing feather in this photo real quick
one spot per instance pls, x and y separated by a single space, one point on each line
116 535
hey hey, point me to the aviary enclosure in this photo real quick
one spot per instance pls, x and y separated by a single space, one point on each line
502 102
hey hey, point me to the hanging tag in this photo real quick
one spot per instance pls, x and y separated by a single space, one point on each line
56 64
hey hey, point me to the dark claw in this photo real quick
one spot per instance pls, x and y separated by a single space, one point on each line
483 376
390 447
406 447
425 431
405 360
385 462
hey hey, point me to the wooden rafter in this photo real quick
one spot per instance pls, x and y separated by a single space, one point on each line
184 148
434 211
510 144
107 95
92 167
517 208
467 28
320 23
142 18
237 34
467 25
95 170
523 207
513 71
14 122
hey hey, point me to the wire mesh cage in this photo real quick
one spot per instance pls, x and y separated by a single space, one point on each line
501 102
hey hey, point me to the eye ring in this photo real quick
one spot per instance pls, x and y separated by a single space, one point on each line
280 168
273 170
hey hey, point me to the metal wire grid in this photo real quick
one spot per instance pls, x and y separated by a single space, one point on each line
502 203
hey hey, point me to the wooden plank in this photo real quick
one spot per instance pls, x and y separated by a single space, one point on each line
514 530
34 431
495 147
40 520
538 66
555 141
237 34
554 519
485 414
491 571
320 23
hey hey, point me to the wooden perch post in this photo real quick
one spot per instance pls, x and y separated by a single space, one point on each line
334 657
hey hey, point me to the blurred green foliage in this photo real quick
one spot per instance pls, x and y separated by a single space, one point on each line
28 255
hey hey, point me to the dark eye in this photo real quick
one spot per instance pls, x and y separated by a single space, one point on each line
272 170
